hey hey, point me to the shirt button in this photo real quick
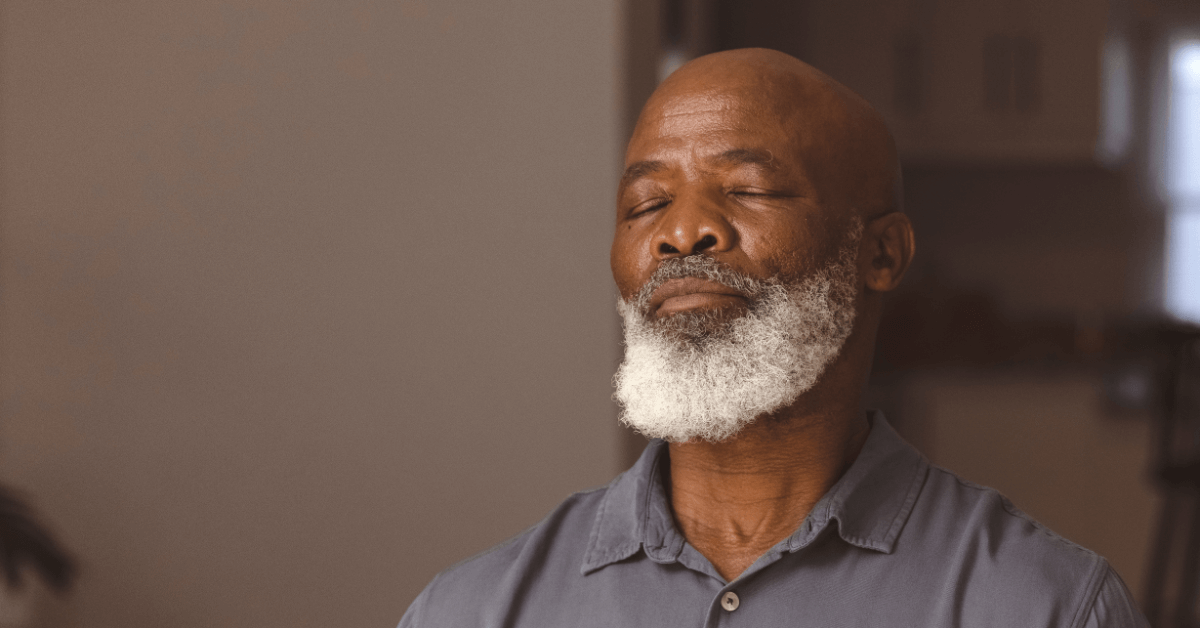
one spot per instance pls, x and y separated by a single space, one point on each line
730 601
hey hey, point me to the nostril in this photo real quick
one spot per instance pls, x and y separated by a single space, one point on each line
706 242
665 249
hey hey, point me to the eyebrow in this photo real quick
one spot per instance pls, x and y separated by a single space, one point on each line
747 156
640 169
731 157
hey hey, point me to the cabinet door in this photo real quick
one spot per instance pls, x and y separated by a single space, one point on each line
978 81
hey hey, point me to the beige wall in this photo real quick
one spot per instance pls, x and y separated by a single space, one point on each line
304 301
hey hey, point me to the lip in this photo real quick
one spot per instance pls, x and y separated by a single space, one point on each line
690 292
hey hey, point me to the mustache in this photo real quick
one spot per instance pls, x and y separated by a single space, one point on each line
700 267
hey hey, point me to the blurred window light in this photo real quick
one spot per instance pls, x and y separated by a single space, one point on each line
1184 167
1183 264
1117 111
1182 255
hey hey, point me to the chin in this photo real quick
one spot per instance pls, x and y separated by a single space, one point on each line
699 325
705 374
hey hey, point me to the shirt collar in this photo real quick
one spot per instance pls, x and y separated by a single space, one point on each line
870 503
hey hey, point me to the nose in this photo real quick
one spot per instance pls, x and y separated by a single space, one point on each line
690 227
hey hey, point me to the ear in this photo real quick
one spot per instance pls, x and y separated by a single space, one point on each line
886 251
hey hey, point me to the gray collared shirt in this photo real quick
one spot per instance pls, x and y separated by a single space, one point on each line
896 542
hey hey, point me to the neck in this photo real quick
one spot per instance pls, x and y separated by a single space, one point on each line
736 499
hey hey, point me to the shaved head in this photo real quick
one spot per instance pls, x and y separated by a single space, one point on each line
842 142
758 224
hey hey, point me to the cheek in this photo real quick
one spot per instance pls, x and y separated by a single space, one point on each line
781 248
799 258
629 261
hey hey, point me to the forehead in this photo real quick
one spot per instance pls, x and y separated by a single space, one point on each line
712 122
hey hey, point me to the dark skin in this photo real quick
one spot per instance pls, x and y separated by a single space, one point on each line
761 162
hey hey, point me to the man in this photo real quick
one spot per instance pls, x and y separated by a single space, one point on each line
758 225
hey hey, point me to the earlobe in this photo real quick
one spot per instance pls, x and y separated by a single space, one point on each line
891 245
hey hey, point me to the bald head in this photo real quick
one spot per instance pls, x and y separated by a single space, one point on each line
750 166
764 164
840 141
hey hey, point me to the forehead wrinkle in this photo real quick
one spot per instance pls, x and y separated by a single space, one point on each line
687 115
723 140
746 157
710 164
700 101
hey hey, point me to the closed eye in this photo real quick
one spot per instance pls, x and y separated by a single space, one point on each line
649 206
761 193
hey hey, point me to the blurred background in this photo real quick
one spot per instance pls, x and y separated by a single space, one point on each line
302 302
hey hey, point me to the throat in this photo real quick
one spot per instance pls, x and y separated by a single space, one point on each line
734 542
735 500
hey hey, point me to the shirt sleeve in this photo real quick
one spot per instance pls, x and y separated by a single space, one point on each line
1114 606
409 620
411 617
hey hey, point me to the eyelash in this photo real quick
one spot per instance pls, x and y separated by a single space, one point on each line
663 202
657 204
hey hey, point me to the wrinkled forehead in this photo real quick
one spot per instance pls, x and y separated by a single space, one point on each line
723 118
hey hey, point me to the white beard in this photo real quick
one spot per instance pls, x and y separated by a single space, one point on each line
696 376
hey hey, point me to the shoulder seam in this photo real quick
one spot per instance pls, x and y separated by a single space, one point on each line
1092 592
1014 511
520 535
491 550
